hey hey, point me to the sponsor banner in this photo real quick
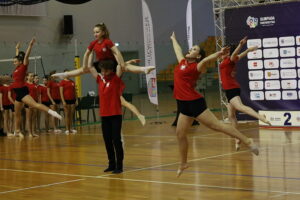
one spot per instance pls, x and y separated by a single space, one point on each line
288 73
189 24
287 52
254 42
298 73
256 75
289 84
298 51
271 63
270 42
256 85
255 64
287 41
255 54
149 53
298 40
281 118
289 95
272 85
273 95
271 53
288 63
271 74
257 95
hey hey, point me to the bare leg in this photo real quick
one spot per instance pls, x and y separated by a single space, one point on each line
210 120
133 109
236 102
73 73
46 121
184 122
72 114
66 110
18 109
32 103
233 120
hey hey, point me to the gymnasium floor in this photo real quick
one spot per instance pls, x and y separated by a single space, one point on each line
54 167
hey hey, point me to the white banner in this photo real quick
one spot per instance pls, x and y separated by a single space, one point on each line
149 53
189 24
281 118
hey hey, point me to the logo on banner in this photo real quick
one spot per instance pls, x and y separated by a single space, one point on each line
271 74
287 41
288 73
270 42
270 53
289 95
288 63
271 63
256 75
287 52
152 89
273 95
255 64
289 84
256 85
267 21
272 85
252 22
259 95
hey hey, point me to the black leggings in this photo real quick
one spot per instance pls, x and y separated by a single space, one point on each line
111 128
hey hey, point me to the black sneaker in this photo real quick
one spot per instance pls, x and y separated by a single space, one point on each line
117 171
109 169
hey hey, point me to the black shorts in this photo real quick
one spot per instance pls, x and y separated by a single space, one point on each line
46 103
9 107
57 101
21 93
192 108
232 93
69 102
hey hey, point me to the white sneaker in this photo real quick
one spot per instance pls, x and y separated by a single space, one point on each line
57 131
67 132
73 131
142 119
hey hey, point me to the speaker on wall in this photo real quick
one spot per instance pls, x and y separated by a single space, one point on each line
68 25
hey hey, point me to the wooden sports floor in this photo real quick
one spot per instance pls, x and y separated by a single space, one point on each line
61 167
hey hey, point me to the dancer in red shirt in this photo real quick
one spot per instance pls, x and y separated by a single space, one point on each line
232 87
30 111
54 96
22 93
6 107
67 91
110 88
44 98
191 104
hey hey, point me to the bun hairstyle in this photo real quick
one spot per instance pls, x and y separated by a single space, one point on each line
104 29
202 53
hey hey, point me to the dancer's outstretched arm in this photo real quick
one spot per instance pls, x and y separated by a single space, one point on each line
17 48
177 48
28 51
244 53
202 64
234 55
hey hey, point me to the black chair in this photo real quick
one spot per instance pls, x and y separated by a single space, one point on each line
128 97
86 103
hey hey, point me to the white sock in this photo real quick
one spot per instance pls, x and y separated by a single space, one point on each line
54 114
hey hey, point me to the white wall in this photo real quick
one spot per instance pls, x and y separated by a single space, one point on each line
124 20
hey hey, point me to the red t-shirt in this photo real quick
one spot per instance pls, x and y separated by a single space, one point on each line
228 72
33 90
43 93
19 75
68 89
185 80
12 92
54 90
110 92
102 49
4 90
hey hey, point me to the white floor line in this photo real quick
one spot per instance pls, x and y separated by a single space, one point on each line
41 186
201 185
48 173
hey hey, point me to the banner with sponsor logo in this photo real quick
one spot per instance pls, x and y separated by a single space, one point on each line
149 53
270 76
189 24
